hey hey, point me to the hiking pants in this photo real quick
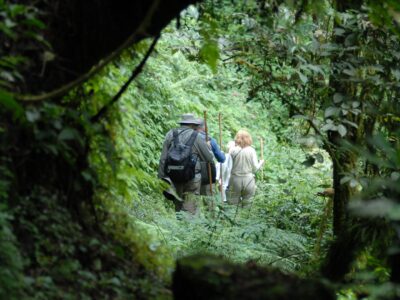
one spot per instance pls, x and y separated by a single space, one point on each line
189 192
205 190
241 189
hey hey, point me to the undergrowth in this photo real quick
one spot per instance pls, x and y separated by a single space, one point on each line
280 229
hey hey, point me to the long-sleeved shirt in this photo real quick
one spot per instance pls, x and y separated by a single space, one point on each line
200 149
245 161
218 154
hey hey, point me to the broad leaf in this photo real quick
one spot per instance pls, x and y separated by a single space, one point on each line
210 54
10 104
342 130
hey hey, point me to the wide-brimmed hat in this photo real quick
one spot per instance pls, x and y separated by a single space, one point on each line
189 119
201 122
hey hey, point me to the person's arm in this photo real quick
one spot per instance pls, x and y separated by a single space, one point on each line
219 155
163 157
256 165
204 151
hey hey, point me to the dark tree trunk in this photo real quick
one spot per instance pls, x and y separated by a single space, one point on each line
394 262
346 244
342 163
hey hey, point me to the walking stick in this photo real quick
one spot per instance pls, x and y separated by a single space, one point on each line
220 165
208 164
262 157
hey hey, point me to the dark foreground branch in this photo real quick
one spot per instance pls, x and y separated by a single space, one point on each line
140 32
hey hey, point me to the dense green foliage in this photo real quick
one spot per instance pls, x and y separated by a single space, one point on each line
282 224
289 69
81 208
335 69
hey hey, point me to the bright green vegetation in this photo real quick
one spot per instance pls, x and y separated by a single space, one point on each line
81 208
288 225
281 226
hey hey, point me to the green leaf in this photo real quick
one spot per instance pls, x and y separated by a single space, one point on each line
8 102
328 126
350 72
9 23
350 123
396 74
32 115
345 179
337 98
209 52
35 23
395 176
331 111
353 183
342 130
303 77
68 134
316 69
16 9
114 281
339 31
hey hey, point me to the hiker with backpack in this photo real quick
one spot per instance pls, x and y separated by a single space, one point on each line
242 184
219 156
180 161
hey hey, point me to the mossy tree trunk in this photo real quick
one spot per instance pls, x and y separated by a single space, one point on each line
210 277
342 251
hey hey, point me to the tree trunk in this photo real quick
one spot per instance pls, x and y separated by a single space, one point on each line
342 163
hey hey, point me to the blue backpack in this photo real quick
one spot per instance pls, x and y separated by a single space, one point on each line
180 163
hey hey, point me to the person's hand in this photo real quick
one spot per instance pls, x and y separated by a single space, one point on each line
209 144
262 162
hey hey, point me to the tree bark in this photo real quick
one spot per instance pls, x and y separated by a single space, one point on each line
342 163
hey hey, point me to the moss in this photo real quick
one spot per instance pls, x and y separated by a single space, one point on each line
210 277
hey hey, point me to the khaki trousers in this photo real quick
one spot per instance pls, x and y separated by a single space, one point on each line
241 189
189 192
205 190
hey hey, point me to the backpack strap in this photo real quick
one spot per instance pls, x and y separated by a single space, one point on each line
192 138
175 135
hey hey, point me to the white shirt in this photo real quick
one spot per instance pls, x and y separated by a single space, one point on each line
226 170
